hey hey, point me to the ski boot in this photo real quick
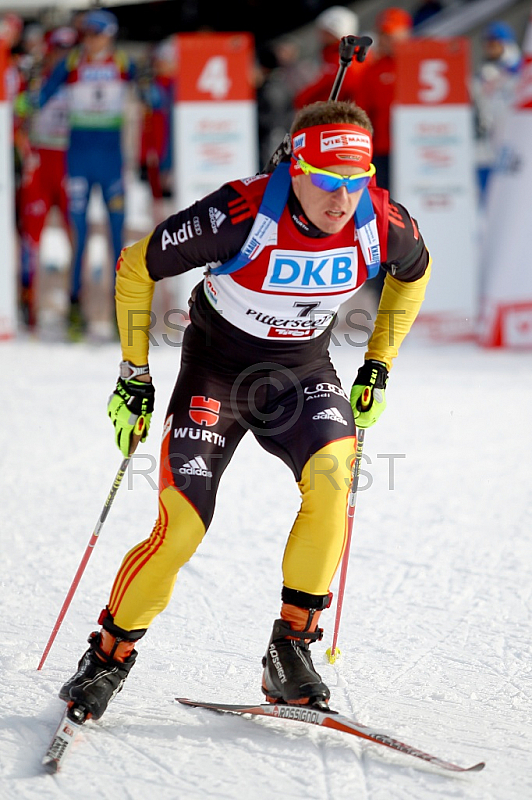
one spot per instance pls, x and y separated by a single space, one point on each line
289 675
102 670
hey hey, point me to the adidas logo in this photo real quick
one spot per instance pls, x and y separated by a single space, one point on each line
196 466
217 218
330 413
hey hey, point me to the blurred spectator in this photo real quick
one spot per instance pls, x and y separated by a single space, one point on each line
28 57
34 43
156 87
295 69
43 182
76 22
376 92
275 109
331 25
11 27
426 10
96 75
493 91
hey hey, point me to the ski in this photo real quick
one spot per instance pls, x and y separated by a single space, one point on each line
63 739
331 719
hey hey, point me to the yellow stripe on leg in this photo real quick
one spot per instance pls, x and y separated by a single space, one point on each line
318 536
145 581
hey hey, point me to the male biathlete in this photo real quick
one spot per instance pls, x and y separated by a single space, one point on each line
280 253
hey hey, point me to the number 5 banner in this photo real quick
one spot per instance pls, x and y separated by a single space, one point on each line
506 295
215 113
433 175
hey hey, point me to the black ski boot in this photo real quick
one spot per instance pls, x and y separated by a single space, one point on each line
101 673
289 675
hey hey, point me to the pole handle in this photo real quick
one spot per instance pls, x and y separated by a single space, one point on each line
349 47
365 401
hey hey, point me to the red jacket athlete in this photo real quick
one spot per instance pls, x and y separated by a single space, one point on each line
281 252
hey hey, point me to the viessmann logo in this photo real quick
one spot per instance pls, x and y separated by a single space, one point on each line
327 272
335 140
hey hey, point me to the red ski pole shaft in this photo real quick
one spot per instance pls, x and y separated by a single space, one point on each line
90 547
351 505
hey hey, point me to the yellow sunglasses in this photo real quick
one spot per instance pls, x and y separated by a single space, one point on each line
331 182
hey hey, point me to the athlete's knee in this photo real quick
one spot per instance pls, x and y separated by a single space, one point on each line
115 205
78 194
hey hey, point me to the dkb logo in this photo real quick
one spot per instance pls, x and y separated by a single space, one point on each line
325 273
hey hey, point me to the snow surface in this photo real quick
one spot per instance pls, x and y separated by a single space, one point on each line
435 633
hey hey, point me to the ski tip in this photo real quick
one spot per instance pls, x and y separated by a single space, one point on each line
477 767
192 703
51 765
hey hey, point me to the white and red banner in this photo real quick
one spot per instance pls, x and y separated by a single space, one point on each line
215 114
215 125
433 176
506 294
8 308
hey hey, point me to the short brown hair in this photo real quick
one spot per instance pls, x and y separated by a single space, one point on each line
327 112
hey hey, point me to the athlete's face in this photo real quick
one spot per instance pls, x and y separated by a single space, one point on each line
329 211
95 43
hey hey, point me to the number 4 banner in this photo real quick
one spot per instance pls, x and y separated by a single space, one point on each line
215 113
215 126
433 175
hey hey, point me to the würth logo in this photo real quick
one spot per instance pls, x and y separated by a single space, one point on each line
204 410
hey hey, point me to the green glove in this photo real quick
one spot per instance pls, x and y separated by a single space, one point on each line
130 408
367 394
22 105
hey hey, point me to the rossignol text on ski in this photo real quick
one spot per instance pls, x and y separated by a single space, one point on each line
326 718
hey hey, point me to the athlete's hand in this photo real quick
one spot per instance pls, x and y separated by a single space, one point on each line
130 408
22 105
367 395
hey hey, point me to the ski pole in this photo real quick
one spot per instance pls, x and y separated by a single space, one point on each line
350 46
333 652
90 547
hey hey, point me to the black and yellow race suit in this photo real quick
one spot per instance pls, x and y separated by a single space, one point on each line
255 357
